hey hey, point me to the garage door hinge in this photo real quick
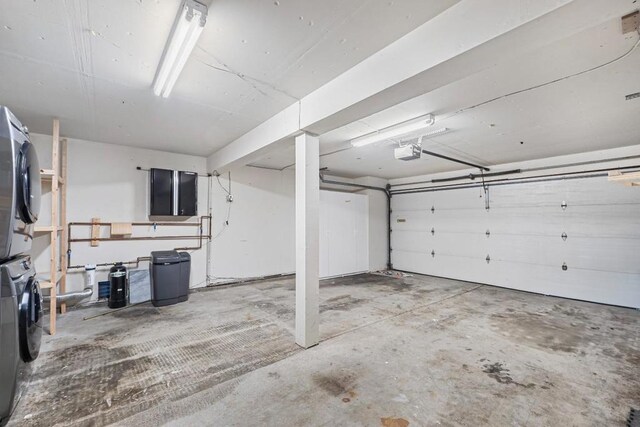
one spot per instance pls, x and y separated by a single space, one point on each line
433 254
563 205
488 259
564 266
433 231
433 209
488 233
564 236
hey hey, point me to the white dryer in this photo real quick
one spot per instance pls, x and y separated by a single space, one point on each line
19 186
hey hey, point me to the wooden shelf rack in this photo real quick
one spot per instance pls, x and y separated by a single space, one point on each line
58 245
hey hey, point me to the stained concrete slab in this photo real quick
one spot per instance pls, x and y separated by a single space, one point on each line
395 352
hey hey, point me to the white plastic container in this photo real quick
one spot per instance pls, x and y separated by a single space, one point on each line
90 281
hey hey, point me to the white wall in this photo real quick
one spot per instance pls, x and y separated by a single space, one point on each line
258 240
260 237
103 182
378 222
344 233
525 224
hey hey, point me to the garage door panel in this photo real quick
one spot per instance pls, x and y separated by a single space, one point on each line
439 200
417 262
412 202
605 287
466 245
615 255
573 191
607 192
600 220
585 221
469 269
526 221
465 199
409 220
460 221
465 227
527 249
526 224
414 241
546 194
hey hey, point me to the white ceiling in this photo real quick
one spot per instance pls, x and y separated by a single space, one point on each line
582 113
92 62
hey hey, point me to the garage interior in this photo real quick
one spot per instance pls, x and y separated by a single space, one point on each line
285 213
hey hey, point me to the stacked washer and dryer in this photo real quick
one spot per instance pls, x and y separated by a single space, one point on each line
20 298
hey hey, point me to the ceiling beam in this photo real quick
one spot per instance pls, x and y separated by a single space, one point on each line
251 145
463 40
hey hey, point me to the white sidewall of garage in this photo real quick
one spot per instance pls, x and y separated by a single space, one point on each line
260 237
525 245
344 233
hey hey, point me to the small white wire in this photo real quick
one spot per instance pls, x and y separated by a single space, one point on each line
225 224
221 186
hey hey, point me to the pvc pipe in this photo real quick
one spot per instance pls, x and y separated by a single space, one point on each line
90 281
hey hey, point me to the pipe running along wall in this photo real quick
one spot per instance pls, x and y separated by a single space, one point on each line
513 181
200 237
517 171
71 298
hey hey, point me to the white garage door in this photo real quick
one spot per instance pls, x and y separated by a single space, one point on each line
588 250
344 233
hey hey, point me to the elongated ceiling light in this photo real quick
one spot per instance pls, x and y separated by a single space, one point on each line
186 30
400 129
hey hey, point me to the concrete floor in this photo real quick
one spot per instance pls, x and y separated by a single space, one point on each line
394 352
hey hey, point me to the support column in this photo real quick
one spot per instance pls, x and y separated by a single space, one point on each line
307 240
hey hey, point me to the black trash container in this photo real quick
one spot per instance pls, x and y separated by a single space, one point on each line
185 272
167 273
119 289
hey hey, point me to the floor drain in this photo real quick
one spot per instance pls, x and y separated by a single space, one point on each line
634 418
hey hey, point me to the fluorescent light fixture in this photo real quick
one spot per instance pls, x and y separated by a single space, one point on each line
400 129
186 31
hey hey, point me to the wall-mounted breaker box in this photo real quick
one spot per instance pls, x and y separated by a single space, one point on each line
173 193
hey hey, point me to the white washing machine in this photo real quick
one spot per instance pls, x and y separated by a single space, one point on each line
19 186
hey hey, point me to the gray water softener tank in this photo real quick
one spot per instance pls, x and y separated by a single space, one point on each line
169 273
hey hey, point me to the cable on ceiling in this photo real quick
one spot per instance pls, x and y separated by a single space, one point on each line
579 73
597 67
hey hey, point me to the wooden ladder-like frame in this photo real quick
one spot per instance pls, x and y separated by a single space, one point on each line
58 177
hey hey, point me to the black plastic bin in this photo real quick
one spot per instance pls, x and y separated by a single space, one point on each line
185 270
169 274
